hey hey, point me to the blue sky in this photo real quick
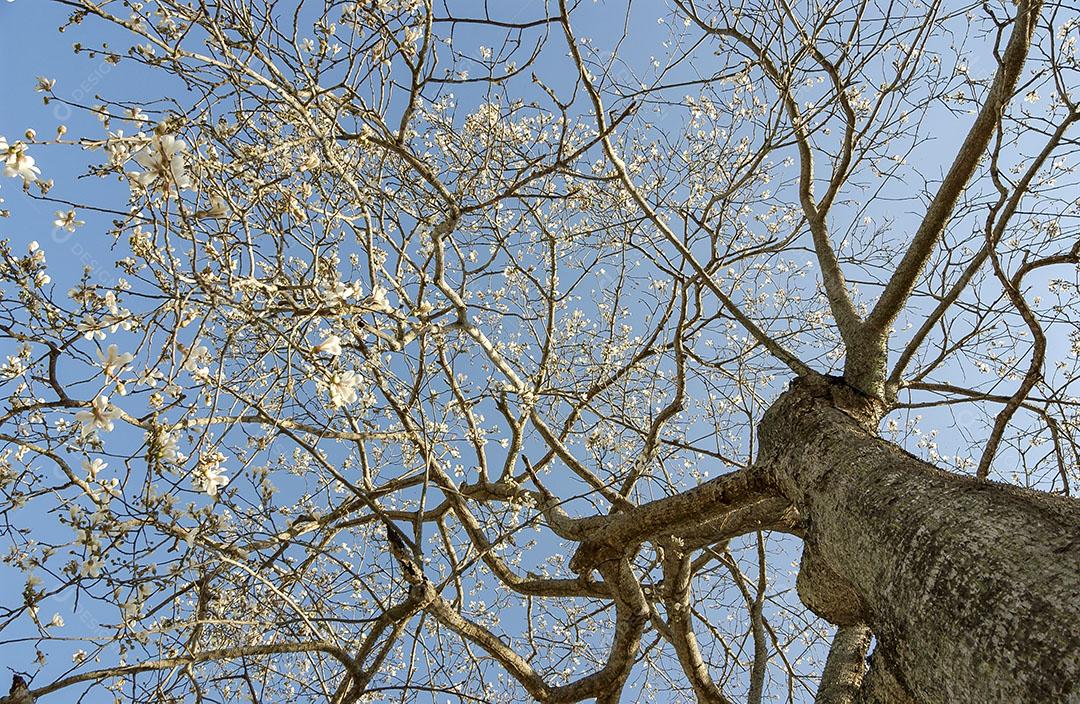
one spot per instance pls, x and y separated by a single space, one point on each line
31 46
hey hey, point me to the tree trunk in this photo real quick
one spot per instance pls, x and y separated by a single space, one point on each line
971 588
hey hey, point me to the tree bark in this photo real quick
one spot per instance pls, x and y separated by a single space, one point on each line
971 588
842 678
19 692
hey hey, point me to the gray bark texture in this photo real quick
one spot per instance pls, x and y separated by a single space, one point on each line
972 588
19 692
841 680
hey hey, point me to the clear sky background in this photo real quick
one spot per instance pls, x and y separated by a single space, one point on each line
31 46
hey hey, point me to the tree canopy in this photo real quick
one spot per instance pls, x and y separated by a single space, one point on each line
426 345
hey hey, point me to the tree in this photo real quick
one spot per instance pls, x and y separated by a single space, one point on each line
454 353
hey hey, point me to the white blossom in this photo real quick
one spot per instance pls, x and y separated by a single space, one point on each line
17 163
163 162
135 114
218 209
91 329
100 416
93 467
113 362
208 476
65 220
342 388
91 567
167 444
330 345
197 359
378 301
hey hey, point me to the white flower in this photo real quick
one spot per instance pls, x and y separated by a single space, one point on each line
17 162
167 444
309 162
330 345
91 568
163 161
218 209
101 415
67 221
57 621
131 610
93 467
114 363
209 478
118 317
378 301
197 359
342 388
1032 97
136 114
78 656
44 85
343 291
91 329
118 147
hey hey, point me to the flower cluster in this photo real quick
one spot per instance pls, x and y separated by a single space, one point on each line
163 163
342 388
208 475
17 163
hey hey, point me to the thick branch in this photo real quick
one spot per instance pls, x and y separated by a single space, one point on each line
732 505
967 159
677 573
969 584
844 669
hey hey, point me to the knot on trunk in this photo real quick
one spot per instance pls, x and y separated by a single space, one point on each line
810 399
826 593
865 409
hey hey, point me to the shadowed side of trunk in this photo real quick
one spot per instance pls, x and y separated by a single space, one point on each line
970 587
